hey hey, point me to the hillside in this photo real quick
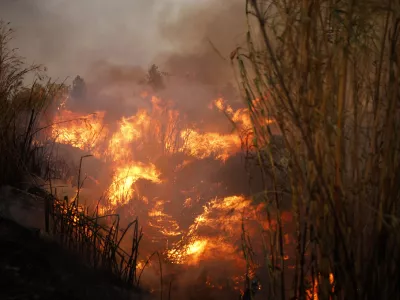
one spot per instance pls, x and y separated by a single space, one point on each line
32 267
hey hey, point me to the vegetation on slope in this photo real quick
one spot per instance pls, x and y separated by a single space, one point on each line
26 162
22 111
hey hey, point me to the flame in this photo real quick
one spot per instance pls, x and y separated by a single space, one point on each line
121 190
160 124
314 295
202 248
131 148
162 221
80 131
130 129
221 215
241 117
208 144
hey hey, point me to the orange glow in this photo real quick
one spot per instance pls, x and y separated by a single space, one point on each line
141 146
220 215
162 221
207 144
85 132
241 117
121 190
315 295
130 129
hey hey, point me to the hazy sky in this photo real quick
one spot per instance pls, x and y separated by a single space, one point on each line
68 36
64 33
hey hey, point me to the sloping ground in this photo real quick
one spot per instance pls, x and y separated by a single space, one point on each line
34 268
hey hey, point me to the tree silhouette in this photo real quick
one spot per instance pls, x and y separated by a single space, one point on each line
155 78
78 88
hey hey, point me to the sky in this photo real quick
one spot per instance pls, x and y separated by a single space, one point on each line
70 36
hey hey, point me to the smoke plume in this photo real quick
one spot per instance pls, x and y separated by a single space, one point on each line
71 37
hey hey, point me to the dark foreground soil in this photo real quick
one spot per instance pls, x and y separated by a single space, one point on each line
34 268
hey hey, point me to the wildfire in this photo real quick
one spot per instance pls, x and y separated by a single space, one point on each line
85 132
131 148
160 125
313 292
207 144
162 221
203 248
241 117
130 129
222 216
121 189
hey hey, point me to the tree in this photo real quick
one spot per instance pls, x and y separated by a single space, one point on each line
78 88
155 78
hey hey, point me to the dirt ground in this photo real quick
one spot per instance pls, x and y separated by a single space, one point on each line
34 268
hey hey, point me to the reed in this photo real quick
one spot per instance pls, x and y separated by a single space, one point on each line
97 244
327 73
27 152
22 110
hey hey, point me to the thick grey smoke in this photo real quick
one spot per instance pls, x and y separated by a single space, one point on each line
202 36
70 36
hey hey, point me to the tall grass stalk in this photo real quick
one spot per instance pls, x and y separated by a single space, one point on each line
99 245
327 72
24 152
21 111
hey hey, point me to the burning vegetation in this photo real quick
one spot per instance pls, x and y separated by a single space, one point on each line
296 191
153 166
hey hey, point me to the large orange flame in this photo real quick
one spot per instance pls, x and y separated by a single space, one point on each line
131 149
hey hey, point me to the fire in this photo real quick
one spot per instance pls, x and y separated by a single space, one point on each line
203 248
131 149
80 131
196 247
162 221
314 295
241 117
221 215
130 129
121 189
208 144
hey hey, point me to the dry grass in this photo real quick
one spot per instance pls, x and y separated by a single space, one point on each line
97 244
328 73
88 235
26 151
21 111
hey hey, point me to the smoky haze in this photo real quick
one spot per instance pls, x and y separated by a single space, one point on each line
71 36
111 44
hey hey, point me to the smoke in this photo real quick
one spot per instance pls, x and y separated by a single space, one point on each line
111 44
71 36
203 36
68 36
